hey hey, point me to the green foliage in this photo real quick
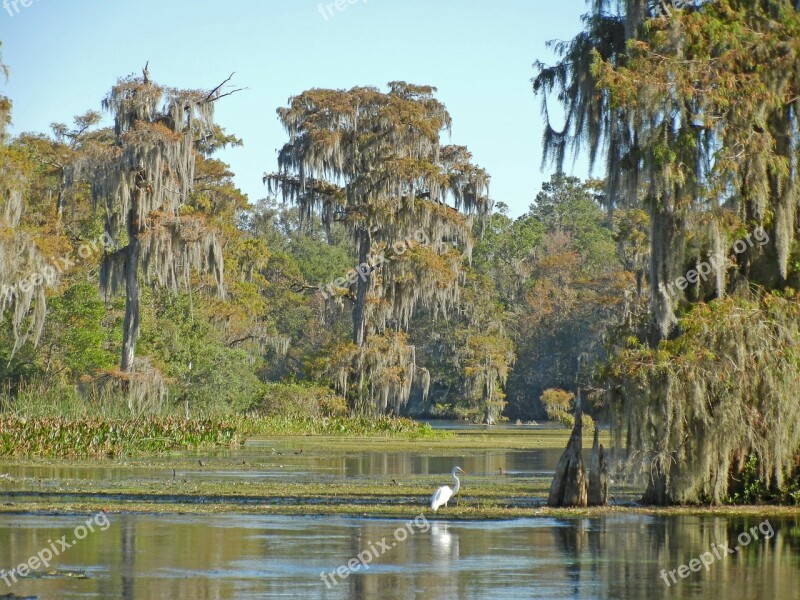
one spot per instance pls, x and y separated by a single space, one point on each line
696 408
751 489
233 355
16 368
696 117
335 426
76 330
56 437
99 436
204 370
574 293
560 406
557 402
472 354
300 400
506 253
568 205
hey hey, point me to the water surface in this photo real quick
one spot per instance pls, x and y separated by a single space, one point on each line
228 557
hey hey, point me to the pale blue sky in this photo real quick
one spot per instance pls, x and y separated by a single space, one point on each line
65 55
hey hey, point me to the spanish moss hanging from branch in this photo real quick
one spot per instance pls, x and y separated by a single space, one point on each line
373 162
143 183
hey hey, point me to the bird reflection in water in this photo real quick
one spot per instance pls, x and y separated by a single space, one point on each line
444 541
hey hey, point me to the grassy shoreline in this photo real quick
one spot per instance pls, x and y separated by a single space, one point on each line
295 475
462 513
106 437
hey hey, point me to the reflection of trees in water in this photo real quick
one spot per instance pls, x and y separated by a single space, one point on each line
618 556
570 539
409 464
359 542
624 556
127 535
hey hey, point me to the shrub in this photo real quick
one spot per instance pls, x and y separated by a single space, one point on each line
295 399
560 406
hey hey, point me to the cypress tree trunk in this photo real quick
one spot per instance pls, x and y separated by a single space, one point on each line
666 256
569 484
359 310
657 491
130 328
598 473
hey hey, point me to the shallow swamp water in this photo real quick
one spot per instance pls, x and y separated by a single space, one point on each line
283 517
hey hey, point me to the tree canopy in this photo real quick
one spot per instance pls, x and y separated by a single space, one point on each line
696 114
378 276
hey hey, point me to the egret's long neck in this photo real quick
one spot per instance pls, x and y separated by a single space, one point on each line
457 486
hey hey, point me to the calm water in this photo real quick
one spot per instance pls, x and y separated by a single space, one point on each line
244 557
229 557
313 465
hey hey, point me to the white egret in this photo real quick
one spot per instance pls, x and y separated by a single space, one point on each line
443 495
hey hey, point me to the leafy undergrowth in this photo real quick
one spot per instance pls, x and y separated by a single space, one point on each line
348 426
60 437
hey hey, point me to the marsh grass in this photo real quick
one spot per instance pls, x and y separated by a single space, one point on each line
36 399
38 421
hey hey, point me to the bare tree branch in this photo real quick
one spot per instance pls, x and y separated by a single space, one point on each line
211 95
